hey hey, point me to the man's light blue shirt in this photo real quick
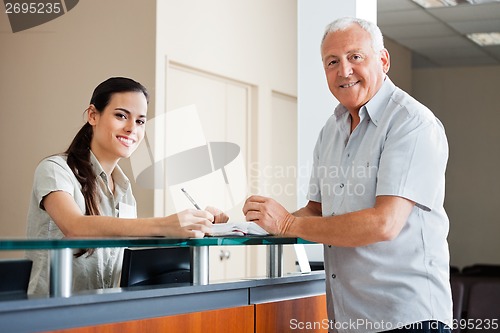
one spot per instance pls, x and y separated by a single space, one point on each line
399 148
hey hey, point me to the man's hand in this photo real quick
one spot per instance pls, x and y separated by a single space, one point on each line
269 214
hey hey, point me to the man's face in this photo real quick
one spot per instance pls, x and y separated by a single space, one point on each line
354 71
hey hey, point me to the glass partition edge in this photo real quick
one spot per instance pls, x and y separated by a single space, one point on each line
48 244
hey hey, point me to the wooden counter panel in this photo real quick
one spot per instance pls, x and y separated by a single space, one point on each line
239 319
302 313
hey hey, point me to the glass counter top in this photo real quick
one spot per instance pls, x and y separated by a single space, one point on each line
48 244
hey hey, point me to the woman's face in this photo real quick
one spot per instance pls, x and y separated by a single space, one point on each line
120 128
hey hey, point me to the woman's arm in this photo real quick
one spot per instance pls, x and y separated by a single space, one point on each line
64 211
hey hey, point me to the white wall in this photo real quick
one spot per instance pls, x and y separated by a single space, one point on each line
250 41
254 42
466 101
315 102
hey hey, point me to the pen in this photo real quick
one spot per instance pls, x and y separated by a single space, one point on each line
191 199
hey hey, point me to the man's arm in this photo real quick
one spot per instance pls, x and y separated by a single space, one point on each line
311 209
383 222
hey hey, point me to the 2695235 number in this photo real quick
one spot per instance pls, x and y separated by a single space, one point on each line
476 324
33 8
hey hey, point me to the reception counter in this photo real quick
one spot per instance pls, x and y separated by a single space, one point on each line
139 303
270 304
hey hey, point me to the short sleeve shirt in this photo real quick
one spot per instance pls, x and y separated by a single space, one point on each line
102 268
399 148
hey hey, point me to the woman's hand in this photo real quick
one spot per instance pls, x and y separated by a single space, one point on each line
196 230
219 215
193 216
190 223
196 223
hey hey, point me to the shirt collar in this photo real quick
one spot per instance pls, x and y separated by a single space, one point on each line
340 110
375 105
119 177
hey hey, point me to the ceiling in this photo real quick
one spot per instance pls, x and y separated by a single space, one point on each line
436 36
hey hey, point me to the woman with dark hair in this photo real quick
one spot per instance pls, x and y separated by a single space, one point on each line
84 193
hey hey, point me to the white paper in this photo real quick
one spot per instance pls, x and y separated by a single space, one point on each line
237 229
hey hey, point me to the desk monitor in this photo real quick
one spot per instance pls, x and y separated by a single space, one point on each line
153 266
14 278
